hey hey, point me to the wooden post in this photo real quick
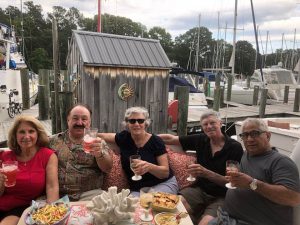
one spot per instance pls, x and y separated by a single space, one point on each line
65 102
182 94
286 94
206 86
222 93
25 89
248 81
43 109
53 113
216 104
44 80
218 80
263 102
229 87
56 73
297 99
255 95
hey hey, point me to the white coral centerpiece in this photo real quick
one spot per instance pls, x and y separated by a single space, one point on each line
112 207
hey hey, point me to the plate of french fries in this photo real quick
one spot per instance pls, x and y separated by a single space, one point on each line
164 201
56 213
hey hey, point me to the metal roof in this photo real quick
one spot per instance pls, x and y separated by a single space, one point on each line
100 49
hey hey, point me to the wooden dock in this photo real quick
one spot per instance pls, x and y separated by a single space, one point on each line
231 113
5 125
236 112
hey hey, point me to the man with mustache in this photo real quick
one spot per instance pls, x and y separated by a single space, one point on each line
80 174
213 148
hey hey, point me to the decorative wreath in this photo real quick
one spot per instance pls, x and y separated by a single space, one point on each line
125 92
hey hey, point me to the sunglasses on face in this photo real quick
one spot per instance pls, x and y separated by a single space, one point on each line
133 121
252 134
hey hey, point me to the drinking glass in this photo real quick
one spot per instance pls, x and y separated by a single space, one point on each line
90 135
191 160
146 198
10 170
231 165
133 159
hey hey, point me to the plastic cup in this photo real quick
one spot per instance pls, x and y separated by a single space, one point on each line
90 135
10 170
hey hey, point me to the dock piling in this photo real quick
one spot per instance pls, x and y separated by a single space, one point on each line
182 95
286 94
25 89
255 95
263 102
297 99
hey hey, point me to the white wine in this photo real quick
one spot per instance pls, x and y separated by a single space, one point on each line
146 200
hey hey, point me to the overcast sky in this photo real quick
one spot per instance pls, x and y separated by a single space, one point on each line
278 17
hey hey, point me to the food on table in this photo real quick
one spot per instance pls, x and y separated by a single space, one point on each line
165 200
49 214
166 219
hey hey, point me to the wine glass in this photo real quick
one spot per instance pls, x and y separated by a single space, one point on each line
191 160
133 159
90 135
231 165
146 198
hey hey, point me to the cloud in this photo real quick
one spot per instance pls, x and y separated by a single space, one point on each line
178 16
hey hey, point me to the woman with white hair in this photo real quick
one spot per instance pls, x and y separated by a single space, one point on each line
135 140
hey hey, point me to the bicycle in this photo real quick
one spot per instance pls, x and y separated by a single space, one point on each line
14 107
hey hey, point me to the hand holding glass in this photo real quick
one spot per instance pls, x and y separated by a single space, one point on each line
133 159
90 135
10 170
146 198
231 165
191 160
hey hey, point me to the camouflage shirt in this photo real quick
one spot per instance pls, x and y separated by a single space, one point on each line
77 171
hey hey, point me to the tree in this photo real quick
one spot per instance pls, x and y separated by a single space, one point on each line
186 46
34 29
164 38
244 58
122 26
67 20
40 60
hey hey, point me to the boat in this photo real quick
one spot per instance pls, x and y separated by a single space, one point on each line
285 133
275 80
239 93
11 62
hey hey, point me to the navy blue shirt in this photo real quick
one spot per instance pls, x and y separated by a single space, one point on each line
149 152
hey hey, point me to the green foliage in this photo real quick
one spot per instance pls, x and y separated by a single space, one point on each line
164 38
244 58
40 60
183 50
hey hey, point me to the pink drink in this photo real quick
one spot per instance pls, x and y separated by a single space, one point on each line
87 143
10 170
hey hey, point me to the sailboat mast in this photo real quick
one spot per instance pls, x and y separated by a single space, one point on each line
234 38
257 46
197 49
99 16
22 31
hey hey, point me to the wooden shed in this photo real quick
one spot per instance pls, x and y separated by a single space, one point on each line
112 73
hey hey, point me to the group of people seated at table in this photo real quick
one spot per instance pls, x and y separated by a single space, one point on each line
267 183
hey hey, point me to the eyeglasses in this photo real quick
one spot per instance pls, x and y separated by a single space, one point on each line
133 121
252 134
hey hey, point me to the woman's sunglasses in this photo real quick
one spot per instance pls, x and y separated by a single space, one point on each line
133 121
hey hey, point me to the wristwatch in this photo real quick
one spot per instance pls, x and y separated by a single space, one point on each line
253 184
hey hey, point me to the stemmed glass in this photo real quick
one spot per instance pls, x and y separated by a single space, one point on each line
90 135
191 160
132 159
146 198
231 165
